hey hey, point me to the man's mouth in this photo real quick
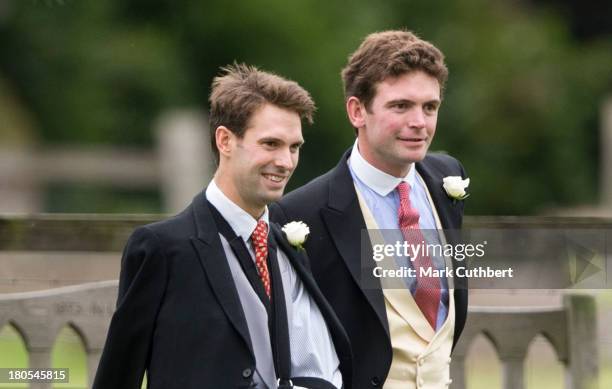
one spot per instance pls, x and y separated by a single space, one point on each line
274 177
412 139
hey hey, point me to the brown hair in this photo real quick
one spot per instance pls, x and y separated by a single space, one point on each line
390 54
242 89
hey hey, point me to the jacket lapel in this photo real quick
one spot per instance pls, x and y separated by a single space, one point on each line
345 222
299 262
447 211
214 262
248 266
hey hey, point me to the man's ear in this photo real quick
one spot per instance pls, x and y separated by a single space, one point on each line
224 138
356 112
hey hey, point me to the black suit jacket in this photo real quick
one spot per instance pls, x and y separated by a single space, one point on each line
329 205
178 311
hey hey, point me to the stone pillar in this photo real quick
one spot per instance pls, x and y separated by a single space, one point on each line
186 161
606 153
457 372
582 336
19 191
40 358
513 373
93 359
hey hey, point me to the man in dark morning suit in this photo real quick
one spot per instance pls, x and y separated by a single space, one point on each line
400 338
216 297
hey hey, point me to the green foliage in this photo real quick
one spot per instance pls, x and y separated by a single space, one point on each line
12 353
520 109
87 198
521 105
86 74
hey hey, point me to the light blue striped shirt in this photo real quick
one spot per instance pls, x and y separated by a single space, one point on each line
379 192
312 350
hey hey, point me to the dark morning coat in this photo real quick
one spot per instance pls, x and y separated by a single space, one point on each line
179 315
329 206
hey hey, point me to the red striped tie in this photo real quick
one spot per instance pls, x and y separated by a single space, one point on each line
259 239
427 295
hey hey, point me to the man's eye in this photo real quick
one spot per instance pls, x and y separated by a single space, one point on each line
431 108
400 106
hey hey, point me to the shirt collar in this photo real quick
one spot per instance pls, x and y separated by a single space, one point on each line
240 220
374 178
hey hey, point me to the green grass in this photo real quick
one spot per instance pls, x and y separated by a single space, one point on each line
68 352
12 353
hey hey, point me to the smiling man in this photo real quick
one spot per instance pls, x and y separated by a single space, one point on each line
216 297
401 338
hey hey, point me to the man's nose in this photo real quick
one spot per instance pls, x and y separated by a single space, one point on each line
284 159
416 119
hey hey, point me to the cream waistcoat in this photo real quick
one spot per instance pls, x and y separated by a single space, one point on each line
421 356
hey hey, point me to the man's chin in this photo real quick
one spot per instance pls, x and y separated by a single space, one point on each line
411 155
415 157
272 196
409 161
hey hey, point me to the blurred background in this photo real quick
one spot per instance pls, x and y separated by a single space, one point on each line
86 85
103 110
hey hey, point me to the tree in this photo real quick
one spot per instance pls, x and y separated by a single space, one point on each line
520 108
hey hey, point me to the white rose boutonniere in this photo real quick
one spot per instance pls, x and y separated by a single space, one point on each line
296 233
455 187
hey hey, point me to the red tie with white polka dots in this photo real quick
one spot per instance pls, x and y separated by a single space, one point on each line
427 295
259 239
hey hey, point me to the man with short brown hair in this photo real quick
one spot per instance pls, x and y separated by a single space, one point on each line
242 89
390 54
216 297
401 338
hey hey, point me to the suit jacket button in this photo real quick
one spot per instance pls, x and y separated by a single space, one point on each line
375 381
246 373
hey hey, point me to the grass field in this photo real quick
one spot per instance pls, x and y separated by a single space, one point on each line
67 353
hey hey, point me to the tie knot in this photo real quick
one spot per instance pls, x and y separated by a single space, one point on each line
408 215
260 234
404 190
